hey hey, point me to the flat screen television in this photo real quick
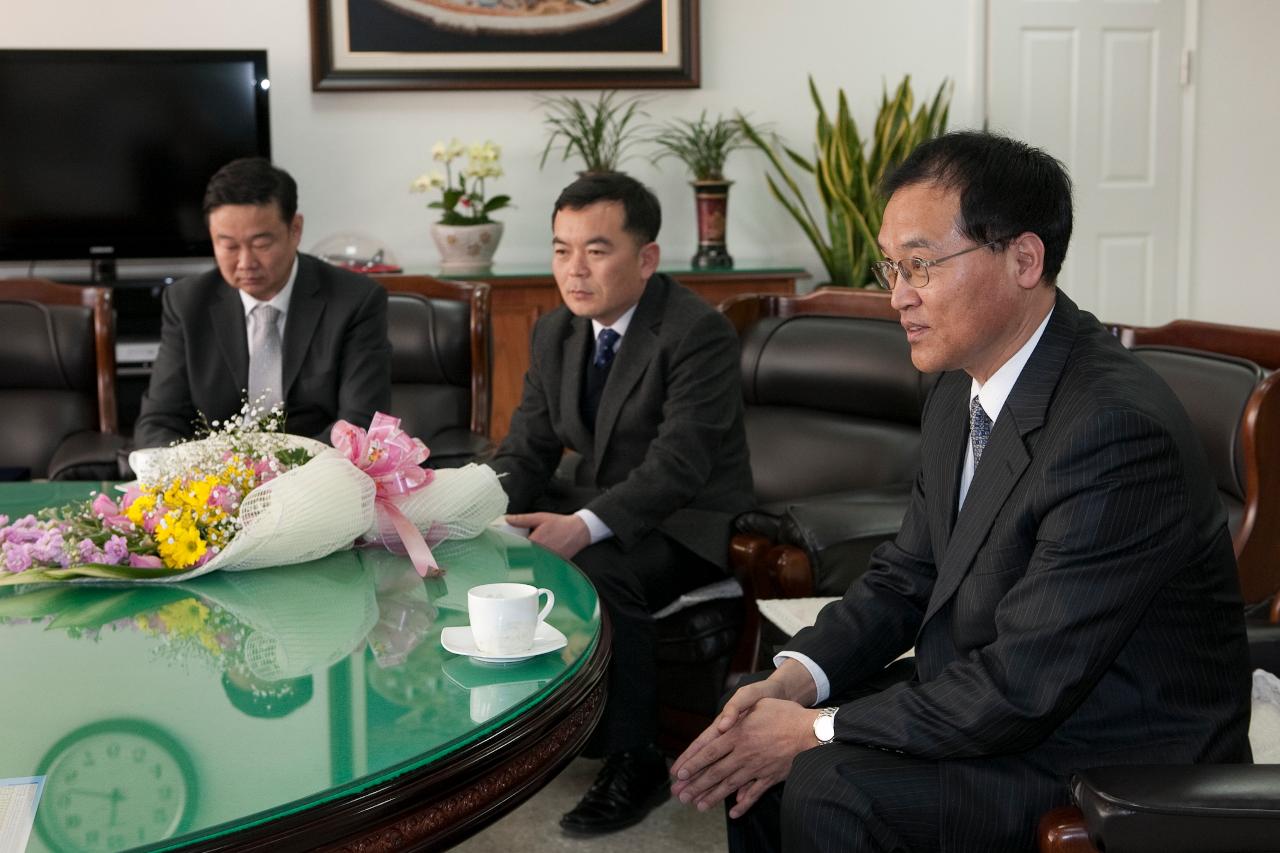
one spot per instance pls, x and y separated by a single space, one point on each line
106 153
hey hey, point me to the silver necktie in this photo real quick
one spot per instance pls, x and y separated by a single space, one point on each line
979 430
265 368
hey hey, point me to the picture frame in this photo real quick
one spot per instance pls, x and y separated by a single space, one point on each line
363 45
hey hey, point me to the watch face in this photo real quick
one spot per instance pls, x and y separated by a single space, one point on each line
112 785
824 727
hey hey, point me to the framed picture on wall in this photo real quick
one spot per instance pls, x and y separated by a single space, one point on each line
503 44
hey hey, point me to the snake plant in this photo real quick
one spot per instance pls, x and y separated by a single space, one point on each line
847 169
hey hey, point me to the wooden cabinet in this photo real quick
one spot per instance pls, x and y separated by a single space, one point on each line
519 299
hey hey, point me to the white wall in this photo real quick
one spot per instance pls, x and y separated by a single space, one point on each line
355 153
1235 271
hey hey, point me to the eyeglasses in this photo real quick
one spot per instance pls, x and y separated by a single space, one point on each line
915 271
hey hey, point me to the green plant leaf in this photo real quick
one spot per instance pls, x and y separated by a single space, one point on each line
847 171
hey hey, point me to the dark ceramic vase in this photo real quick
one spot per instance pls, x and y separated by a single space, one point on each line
712 199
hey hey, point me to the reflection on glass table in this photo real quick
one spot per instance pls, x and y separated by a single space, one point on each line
237 705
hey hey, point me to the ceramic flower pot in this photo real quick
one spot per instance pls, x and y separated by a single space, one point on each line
466 248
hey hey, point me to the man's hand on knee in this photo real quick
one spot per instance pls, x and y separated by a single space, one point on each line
566 535
749 758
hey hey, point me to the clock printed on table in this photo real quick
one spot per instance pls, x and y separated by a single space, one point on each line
113 785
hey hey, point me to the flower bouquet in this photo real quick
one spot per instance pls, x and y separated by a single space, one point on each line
248 497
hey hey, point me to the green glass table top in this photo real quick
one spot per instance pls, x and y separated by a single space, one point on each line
161 715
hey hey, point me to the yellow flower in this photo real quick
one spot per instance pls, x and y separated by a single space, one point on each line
197 494
141 505
185 617
180 544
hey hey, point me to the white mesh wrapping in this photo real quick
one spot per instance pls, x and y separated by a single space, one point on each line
459 503
303 514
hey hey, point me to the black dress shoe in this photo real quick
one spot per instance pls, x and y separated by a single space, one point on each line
627 788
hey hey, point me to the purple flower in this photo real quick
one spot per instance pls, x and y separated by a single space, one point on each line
51 548
116 550
25 529
89 553
17 558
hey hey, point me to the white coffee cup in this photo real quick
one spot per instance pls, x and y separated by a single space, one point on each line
504 616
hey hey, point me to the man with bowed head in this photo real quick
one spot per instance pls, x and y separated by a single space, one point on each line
1064 570
639 377
269 323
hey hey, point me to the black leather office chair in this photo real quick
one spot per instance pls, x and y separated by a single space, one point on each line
1227 379
440 364
57 381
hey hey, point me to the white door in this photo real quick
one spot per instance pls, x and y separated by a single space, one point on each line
1098 84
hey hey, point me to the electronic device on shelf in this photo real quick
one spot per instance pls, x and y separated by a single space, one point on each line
106 153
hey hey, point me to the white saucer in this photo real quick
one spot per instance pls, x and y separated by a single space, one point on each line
460 641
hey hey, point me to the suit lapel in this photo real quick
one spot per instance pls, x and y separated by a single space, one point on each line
636 351
306 305
1007 455
573 359
229 331
944 476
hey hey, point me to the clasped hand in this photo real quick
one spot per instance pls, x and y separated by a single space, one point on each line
748 749
566 535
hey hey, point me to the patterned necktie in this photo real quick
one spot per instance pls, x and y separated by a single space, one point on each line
604 348
979 429
265 367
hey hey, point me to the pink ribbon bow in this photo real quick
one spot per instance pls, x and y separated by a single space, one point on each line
392 458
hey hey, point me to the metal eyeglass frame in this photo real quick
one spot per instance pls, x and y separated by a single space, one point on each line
919 266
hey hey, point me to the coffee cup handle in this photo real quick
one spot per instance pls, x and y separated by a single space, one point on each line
551 600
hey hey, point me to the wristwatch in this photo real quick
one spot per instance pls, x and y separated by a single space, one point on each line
824 726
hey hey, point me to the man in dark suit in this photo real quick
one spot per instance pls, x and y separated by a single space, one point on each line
1064 569
639 377
269 323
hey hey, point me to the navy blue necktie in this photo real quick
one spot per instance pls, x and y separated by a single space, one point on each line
605 343
597 373
979 429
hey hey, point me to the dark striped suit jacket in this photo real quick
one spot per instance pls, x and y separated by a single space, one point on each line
1082 609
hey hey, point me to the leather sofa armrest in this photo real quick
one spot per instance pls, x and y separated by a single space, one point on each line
1202 808
839 534
765 520
87 455
1264 645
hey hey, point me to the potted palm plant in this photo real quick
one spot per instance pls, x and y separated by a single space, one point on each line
847 170
703 146
599 132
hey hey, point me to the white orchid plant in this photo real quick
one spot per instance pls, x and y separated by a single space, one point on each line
463 200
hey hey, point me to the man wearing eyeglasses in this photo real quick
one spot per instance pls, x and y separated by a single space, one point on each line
1064 570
